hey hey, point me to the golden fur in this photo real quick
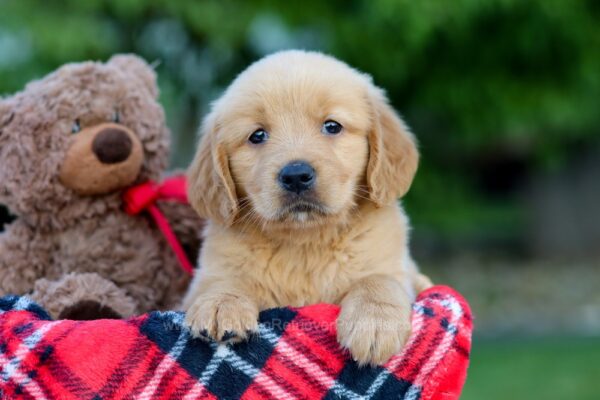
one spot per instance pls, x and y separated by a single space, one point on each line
352 249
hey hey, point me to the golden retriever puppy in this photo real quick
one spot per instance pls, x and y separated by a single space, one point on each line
299 170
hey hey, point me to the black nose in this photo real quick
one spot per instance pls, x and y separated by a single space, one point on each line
297 177
112 146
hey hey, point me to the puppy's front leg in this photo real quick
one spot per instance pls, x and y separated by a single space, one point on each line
220 310
374 321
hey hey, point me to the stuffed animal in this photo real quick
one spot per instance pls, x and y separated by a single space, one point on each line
70 144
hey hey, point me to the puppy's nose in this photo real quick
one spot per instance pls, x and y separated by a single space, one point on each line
112 145
297 177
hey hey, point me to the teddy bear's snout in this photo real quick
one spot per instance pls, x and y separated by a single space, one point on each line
112 145
101 159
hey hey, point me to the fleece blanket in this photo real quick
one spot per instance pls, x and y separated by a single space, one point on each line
294 356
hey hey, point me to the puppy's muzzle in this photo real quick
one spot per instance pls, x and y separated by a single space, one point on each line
297 177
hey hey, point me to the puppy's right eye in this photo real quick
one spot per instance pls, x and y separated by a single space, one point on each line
76 127
258 136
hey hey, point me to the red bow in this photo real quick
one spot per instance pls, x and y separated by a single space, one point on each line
143 197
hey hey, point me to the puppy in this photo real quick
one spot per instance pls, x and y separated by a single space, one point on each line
299 169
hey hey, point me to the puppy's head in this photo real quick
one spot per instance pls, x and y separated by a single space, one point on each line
299 139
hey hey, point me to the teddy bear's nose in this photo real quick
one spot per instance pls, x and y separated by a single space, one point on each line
112 145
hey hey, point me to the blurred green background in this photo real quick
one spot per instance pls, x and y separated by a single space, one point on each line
503 95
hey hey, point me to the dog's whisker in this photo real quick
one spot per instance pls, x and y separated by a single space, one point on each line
248 217
360 196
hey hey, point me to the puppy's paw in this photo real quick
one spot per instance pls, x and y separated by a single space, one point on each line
373 332
222 317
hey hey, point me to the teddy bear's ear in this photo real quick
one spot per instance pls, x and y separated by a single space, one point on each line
136 66
6 115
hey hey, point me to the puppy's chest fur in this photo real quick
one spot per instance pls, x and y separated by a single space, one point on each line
300 274
298 270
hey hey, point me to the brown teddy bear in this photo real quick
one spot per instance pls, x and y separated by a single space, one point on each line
70 143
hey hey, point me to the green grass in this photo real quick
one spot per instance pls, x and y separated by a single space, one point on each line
549 369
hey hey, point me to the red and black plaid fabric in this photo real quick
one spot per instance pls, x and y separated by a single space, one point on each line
295 355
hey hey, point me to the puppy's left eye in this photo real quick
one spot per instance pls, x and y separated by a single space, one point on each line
331 128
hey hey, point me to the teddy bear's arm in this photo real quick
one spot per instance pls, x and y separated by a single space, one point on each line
24 257
83 296
186 225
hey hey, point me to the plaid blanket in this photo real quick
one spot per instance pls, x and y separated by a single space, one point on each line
294 356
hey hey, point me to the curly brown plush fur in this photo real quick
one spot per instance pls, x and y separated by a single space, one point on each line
69 143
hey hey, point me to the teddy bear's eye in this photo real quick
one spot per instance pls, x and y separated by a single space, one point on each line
76 127
116 118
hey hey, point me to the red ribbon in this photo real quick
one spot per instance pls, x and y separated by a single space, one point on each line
143 197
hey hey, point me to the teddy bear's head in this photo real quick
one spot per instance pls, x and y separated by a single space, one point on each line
75 138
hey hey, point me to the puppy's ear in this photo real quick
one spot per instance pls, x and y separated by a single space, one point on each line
211 190
393 154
